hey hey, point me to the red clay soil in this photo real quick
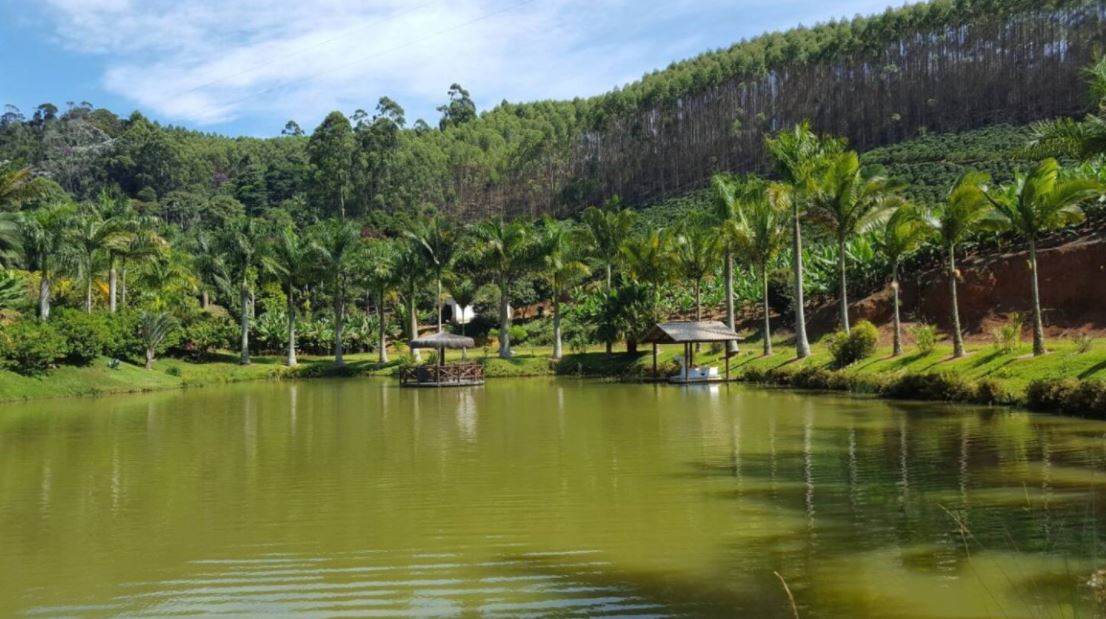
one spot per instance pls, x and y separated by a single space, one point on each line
1073 292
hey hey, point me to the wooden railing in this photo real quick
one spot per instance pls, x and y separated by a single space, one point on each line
451 374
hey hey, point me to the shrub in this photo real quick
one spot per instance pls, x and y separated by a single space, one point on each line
941 387
1007 337
1068 395
860 343
925 338
1084 343
990 391
123 341
86 335
30 347
206 334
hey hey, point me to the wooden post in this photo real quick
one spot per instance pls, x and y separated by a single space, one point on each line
726 356
654 360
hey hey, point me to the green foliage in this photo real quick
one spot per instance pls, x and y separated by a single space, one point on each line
925 337
1068 396
859 343
30 347
86 335
205 334
1007 337
1084 343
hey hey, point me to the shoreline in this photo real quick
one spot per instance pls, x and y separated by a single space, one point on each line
1064 382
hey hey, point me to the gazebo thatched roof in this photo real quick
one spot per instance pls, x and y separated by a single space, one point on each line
443 340
689 331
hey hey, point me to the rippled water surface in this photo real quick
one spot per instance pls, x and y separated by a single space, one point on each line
544 498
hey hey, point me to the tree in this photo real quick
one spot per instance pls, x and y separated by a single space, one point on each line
17 185
800 156
1036 203
291 128
290 259
91 237
903 232
560 269
153 329
847 201
377 269
954 220
410 268
1084 139
45 235
648 259
330 152
726 194
696 255
437 240
606 228
141 244
759 234
241 244
506 249
336 244
459 110
464 291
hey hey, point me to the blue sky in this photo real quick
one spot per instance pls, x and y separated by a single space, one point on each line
244 67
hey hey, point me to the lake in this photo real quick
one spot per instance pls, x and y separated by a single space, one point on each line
544 497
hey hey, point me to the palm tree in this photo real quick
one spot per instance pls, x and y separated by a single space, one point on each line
800 155
210 269
376 266
463 290
605 230
954 220
91 237
1036 203
648 264
336 244
695 256
727 194
904 232
17 185
507 250
241 244
847 201
1085 139
289 258
153 329
759 235
437 240
140 243
121 219
44 238
560 270
409 271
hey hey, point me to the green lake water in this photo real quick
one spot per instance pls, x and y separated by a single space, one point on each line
544 498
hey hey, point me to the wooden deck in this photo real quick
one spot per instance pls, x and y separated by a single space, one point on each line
451 375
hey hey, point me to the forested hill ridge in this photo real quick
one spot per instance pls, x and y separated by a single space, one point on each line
934 67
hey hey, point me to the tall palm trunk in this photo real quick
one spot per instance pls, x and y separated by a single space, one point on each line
291 327
44 295
88 294
205 300
382 340
113 283
843 284
244 323
609 269
897 347
767 310
123 286
1038 322
557 350
731 347
957 336
802 345
413 324
339 323
438 302
504 322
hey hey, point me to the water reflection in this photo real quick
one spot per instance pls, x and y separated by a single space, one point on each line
547 498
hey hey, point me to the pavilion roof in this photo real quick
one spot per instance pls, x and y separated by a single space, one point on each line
443 340
690 331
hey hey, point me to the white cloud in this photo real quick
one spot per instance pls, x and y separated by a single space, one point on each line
204 62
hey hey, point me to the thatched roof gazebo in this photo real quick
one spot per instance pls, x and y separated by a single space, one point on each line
688 333
442 374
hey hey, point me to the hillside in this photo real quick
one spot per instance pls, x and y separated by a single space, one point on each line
942 66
